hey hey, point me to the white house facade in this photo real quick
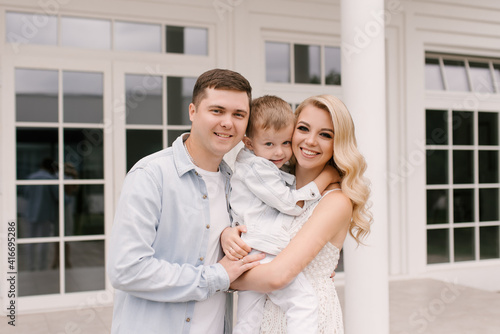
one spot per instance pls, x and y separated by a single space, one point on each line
89 87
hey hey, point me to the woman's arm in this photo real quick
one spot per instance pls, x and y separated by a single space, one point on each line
329 221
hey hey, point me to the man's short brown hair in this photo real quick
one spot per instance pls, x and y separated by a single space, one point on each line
220 79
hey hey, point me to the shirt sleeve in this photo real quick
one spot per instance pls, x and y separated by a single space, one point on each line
264 181
132 265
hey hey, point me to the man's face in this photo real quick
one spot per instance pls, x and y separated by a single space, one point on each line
219 122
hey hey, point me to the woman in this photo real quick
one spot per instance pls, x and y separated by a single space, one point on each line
324 134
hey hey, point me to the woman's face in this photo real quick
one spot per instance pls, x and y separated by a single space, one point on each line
312 140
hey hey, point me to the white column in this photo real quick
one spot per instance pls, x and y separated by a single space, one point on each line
363 90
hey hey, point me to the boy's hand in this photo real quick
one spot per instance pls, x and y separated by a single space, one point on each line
232 245
332 173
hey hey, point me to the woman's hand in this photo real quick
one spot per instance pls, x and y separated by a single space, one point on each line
232 245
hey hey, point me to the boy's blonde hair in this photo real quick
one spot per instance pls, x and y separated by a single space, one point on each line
267 112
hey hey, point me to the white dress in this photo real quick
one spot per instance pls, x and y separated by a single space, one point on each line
318 273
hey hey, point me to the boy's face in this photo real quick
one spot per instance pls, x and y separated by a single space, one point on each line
273 145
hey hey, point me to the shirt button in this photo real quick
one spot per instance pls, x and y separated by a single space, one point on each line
204 196
188 319
208 226
202 258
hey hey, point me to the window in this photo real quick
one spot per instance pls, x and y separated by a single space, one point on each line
90 33
312 64
462 185
60 181
459 74
156 112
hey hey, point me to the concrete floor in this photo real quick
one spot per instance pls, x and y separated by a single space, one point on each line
416 306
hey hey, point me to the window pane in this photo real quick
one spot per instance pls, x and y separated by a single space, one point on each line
144 99
436 127
332 66
83 97
36 95
179 96
141 143
496 71
488 128
84 267
488 204
480 76
488 167
132 36
86 33
36 149
83 207
28 28
463 205
437 246
172 135
38 210
489 242
307 64
277 62
187 40
464 244
437 167
83 148
195 41
456 77
433 78
463 131
437 206
463 167
37 273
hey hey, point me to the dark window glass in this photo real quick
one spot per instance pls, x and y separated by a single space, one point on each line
464 244
463 166
36 95
489 203
488 128
83 149
438 246
463 131
437 206
437 167
173 134
307 64
489 242
83 97
187 40
38 273
84 266
141 143
463 205
436 126
179 96
83 207
488 167
36 149
143 95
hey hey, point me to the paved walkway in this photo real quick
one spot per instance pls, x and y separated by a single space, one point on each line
416 307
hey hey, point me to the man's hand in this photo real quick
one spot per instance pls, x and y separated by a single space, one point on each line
232 245
236 268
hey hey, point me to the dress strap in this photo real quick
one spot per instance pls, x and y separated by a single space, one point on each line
329 191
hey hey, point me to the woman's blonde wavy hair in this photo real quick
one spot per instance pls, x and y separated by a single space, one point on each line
347 160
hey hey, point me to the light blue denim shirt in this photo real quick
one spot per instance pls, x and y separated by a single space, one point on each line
264 198
158 244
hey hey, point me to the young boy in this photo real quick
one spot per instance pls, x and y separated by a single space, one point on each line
264 198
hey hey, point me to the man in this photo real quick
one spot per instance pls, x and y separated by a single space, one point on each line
165 256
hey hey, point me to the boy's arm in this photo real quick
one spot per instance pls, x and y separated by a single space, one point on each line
266 182
328 176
